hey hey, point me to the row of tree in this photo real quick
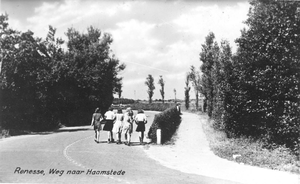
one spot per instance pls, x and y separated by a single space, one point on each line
256 91
151 87
42 84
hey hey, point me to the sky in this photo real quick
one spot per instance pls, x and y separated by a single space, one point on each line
160 38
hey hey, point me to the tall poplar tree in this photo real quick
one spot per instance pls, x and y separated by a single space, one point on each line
187 89
150 84
161 82
209 56
194 77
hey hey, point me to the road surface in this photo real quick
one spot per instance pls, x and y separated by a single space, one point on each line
72 156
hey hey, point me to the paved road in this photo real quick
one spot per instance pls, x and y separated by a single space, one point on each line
76 158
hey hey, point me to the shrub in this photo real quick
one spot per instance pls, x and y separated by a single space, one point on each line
152 106
168 121
123 101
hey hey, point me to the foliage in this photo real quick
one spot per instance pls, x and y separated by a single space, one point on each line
152 106
255 93
221 73
209 57
123 101
150 84
168 121
187 91
118 88
174 90
93 71
42 85
24 78
265 93
161 82
194 77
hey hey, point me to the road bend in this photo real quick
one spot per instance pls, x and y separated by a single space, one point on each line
71 156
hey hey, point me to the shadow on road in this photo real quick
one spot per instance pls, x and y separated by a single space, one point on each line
14 133
123 143
138 144
73 129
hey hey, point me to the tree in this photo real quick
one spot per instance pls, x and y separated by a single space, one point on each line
119 89
161 82
265 94
150 84
25 77
92 68
209 57
175 94
49 85
186 91
194 77
221 75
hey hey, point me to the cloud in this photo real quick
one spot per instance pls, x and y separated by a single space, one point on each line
150 37
226 22
134 36
174 44
77 14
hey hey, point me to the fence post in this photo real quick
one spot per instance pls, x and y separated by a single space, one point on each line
158 136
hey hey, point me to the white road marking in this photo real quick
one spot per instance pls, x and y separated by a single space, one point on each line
65 153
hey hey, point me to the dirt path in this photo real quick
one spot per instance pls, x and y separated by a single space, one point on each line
191 154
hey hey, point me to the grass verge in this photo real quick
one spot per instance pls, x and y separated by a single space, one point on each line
12 132
250 152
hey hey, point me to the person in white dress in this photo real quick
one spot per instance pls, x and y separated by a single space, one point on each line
118 125
128 125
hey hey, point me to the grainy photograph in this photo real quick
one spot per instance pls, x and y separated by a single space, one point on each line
143 92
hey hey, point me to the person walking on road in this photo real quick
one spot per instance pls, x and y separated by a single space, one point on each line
96 119
109 117
118 125
127 125
141 120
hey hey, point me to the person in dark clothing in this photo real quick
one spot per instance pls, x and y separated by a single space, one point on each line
141 120
96 119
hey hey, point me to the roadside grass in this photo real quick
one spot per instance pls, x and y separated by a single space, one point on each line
246 150
4 133
12 132
250 152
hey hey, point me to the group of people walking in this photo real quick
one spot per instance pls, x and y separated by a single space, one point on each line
119 123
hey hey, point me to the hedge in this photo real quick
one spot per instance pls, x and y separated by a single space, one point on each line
168 121
152 106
